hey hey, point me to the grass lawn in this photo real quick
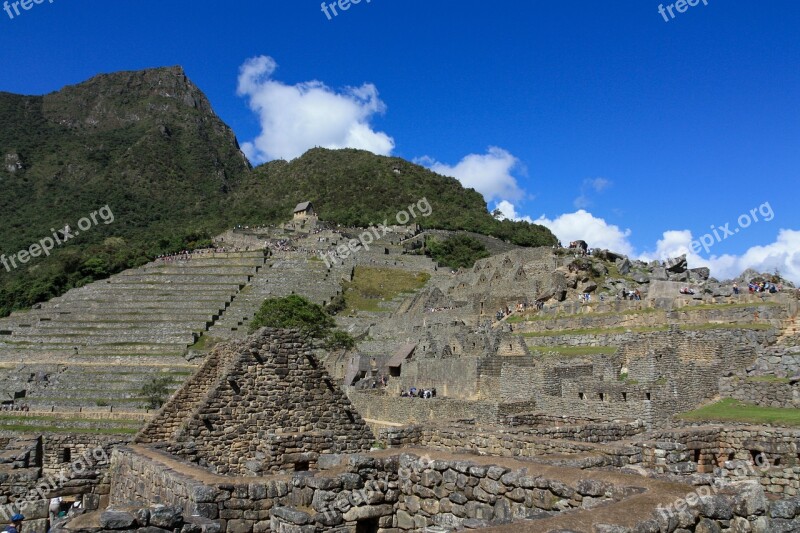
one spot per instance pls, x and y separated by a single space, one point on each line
371 286
708 326
730 410
532 317
92 431
767 379
644 329
593 331
204 343
574 350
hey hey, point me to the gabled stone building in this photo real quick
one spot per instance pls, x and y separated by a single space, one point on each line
260 405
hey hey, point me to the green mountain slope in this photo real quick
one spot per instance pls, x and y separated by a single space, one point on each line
148 145
357 188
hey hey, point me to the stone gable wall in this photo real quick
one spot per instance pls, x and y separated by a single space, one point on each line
274 407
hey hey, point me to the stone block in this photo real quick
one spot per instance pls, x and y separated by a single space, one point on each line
117 520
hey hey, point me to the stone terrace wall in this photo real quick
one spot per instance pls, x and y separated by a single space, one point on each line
406 492
630 316
383 408
768 455
573 428
522 442
778 361
762 393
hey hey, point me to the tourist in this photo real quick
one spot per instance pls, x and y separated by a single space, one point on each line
735 289
16 523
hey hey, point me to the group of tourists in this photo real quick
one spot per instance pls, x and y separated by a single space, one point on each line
631 295
185 255
763 286
414 392
14 407
438 309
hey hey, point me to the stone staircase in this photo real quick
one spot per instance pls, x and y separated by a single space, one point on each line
790 336
95 347
283 274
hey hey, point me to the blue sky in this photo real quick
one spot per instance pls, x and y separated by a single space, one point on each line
600 119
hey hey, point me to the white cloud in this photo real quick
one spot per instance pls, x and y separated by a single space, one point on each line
582 225
295 118
783 255
490 174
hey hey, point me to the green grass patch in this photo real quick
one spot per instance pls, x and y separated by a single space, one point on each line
645 329
50 429
730 410
575 351
371 286
204 343
710 326
727 306
767 379
116 422
594 331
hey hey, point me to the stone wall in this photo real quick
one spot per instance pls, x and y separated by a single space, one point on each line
585 451
780 361
762 393
455 377
766 454
384 408
640 314
406 492
173 413
267 404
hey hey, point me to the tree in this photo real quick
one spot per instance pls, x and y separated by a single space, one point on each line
339 340
157 391
457 251
294 312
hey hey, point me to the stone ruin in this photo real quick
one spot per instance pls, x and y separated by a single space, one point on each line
558 419
260 405
235 451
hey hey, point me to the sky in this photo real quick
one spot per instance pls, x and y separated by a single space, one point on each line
650 128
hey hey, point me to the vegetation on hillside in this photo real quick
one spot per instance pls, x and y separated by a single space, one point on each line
457 251
295 312
357 188
166 175
148 145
